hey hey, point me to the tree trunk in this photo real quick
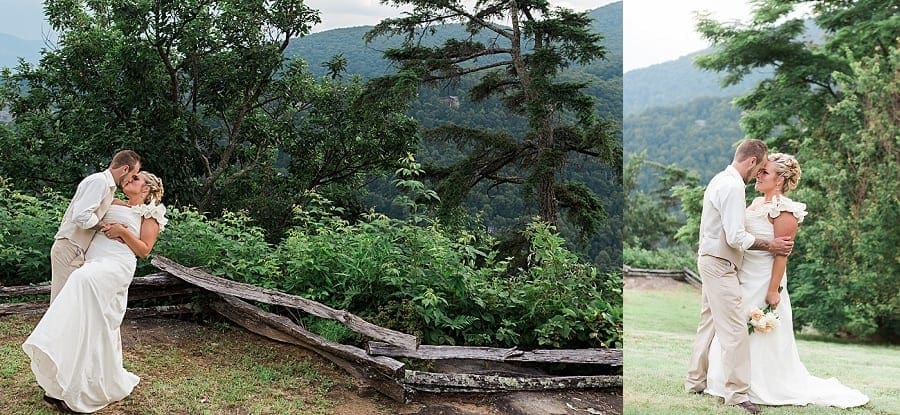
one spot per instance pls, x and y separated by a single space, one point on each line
545 172
546 194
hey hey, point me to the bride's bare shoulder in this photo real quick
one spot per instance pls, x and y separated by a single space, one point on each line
119 202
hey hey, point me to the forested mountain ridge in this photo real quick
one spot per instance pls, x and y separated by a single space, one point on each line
678 82
698 135
367 60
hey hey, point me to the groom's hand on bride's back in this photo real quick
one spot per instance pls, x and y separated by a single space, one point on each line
782 245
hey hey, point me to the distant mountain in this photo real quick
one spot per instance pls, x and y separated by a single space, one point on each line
678 82
603 76
368 61
681 115
698 135
12 47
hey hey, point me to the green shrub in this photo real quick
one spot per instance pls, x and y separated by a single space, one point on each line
557 302
27 226
675 257
443 283
227 246
411 277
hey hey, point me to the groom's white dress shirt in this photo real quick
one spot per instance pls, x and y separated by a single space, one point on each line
722 232
91 201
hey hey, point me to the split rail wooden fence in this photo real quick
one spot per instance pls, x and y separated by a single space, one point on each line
384 363
684 274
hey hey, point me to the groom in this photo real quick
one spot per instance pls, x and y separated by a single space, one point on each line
82 219
723 241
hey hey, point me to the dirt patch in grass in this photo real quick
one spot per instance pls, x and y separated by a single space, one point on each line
188 367
653 283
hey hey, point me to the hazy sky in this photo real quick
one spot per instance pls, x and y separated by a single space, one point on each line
657 31
25 18
346 13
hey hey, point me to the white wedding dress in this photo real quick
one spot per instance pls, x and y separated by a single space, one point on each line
777 376
76 348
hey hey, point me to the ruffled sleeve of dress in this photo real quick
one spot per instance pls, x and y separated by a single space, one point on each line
154 211
783 204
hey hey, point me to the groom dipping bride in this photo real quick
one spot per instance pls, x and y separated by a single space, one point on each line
76 348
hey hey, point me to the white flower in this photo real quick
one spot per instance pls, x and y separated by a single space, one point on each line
763 321
154 211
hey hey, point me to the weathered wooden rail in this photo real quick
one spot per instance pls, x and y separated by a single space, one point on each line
250 292
684 274
156 285
498 370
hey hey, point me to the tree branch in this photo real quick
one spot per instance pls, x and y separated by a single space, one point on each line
488 51
432 78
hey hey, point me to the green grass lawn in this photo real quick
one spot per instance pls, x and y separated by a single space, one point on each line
659 334
189 368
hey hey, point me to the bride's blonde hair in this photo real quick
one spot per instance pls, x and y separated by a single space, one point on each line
788 167
156 188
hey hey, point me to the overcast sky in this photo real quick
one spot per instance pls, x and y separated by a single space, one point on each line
659 30
655 30
25 18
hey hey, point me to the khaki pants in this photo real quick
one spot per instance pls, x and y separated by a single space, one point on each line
720 314
65 257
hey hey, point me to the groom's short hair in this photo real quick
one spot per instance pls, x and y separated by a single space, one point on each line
749 148
125 158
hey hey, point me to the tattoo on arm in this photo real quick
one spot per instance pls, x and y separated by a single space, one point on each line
760 245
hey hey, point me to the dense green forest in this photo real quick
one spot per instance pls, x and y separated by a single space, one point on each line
831 99
503 208
698 135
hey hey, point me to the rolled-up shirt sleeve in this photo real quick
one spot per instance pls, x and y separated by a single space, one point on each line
732 207
84 207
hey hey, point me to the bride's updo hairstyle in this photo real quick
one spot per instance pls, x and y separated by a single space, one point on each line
786 166
156 188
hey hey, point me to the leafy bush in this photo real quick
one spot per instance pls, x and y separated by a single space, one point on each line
27 226
443 283
674 257
414 278
227 245
557 301
447 286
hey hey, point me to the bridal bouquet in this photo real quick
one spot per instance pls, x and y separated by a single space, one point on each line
763 321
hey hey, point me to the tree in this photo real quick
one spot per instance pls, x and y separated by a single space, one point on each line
651 219
203 90
519 64
834 105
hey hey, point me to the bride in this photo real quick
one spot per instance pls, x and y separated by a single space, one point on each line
76 348
777 376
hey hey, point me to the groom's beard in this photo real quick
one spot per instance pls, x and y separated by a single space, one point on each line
748 176
121 182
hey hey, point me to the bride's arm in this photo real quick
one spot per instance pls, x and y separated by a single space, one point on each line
141 246
785 225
